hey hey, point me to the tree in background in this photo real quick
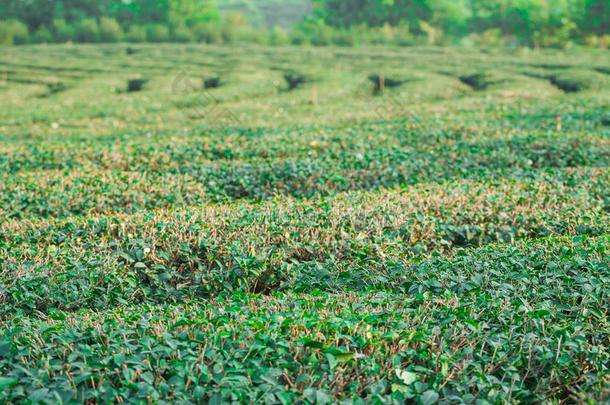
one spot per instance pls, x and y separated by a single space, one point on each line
346 13
528 22
140 11
87 30
596 20
35 13
13 32
556 23
191 12
110 30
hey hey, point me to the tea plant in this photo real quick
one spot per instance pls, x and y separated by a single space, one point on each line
433 233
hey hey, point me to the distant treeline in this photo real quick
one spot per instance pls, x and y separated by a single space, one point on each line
535 23
522 22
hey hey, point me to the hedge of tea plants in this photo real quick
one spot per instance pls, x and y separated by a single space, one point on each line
444 240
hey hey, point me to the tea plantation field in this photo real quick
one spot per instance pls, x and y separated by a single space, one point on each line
406 225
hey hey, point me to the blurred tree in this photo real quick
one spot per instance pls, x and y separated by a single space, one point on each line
451 15
140 11
596 17
527 22
42 12
32 12
192 12
110 30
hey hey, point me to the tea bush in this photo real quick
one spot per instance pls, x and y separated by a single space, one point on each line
442 241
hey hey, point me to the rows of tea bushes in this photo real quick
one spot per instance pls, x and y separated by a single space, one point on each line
257 247
445 240
519 323
194 178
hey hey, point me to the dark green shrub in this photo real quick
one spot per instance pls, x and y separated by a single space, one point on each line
42 36
298 37
236 28
13 32
384 35
323 37
403 35
87 30
62 31
157 33
21 34
182 33
5 37
228 33
207 32
278 36
110 30
344 37
136 33
317 33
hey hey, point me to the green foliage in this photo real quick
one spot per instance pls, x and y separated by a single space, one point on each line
389 354
532 23
136 33
42 36
322 35
33 13
594 16
110 30
208 32
63 31
442 238
299 37
6 37
87 30
492 37
192 12
13 32
316 32
344 37
235 28
536 23
157 33
19 32
278 36
182 33
402 35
